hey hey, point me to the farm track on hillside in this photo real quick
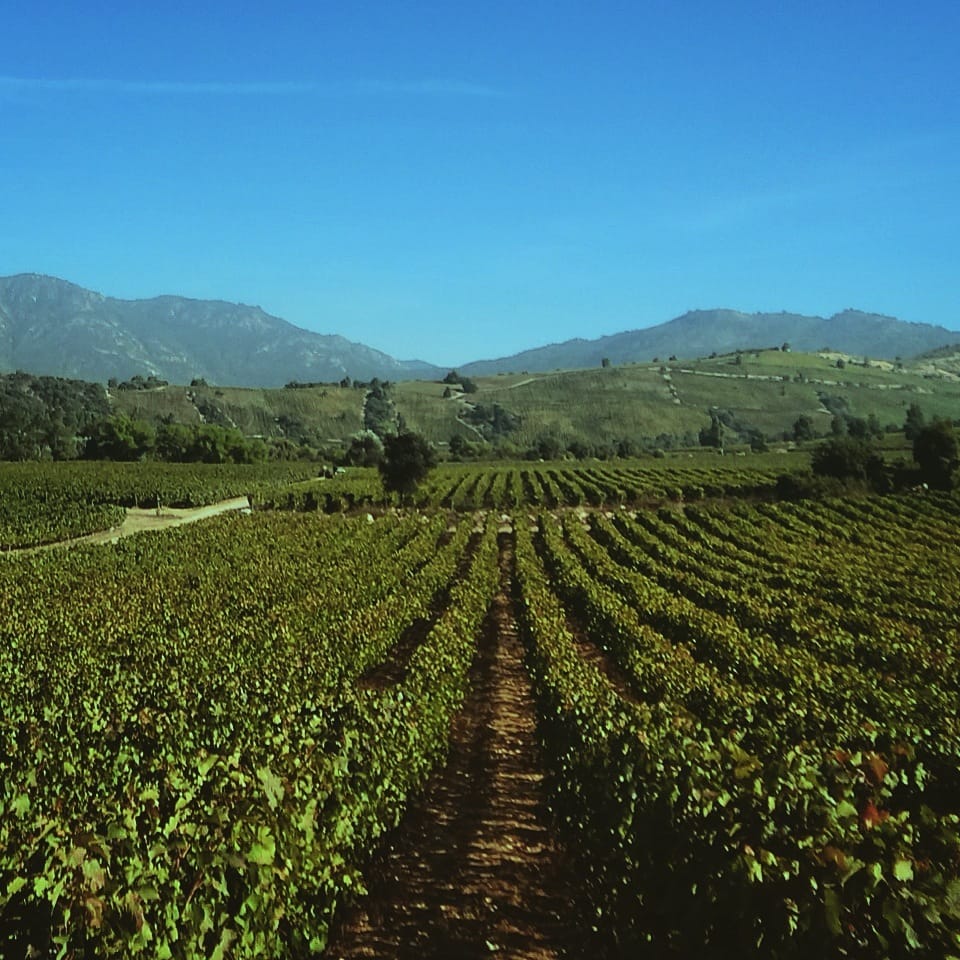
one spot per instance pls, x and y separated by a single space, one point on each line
475 868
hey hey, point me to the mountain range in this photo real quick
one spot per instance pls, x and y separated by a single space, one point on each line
702 332
50 326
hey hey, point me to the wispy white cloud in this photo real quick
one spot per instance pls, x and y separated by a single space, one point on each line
430 87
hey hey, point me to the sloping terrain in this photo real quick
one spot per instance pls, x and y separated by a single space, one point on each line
701 332
53 327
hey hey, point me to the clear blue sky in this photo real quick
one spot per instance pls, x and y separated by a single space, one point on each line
458 180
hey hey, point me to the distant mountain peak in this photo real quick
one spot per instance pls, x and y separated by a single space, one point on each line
701 332
52 326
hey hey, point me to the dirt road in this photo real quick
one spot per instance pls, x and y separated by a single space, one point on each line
139 519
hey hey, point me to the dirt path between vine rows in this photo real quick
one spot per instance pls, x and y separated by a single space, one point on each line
138 519
474 869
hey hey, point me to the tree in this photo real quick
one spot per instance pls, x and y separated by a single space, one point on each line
936 453
712 436
848 458
547 447
803 428
626 448
914 422
605 362
458 446
857 427
365 450
119 438
407 459
580 449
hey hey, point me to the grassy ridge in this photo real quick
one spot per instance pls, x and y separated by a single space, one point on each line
766 390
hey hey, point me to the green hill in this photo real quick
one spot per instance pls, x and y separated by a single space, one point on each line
765 391
758 394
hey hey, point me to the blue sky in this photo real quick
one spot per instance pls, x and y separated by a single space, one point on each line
459 180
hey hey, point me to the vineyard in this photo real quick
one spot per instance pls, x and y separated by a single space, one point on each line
45 503
682 717
503 487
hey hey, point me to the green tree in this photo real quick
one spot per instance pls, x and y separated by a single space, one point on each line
857 427
459 447
712 436
580 449
936 453
174 441
914 422
848 458
365 450
803 428
119 438
547 447
407 459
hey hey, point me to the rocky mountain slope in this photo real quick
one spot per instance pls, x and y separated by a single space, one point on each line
50 326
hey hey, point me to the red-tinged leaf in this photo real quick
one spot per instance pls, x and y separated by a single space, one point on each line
870 817
876 769
835 856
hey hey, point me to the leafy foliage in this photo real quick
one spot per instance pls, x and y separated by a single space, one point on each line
750 713
803 428
936 453
772 797
848 458
46 416
41 503
189 767
407 459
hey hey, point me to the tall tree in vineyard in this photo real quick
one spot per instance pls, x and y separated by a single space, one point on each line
914 422
936 452
407 459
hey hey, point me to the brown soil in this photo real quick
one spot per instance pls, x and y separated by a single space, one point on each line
475 868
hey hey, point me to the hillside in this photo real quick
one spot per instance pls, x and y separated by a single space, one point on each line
702 332
49 326
763 391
